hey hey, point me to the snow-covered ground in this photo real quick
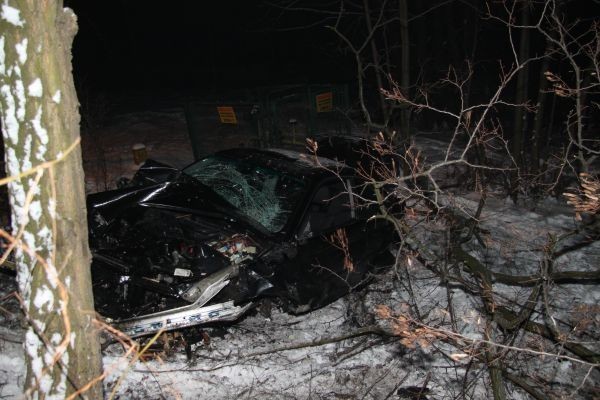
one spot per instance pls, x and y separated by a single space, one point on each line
107 151
327 354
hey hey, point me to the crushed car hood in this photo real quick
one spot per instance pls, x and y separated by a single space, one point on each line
182 194
164 237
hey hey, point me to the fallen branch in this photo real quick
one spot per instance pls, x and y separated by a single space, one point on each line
509 320
526 386
533 327
580 277
321 341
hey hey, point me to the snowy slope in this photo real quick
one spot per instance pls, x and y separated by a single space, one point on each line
327 354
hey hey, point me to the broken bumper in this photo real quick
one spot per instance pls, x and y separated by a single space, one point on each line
181 318
194 314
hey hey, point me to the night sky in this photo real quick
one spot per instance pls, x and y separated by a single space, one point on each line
196 46
208 47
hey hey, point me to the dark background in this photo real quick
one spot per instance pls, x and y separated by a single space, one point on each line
203 48
197 46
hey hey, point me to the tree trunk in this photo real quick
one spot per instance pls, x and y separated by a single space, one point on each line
476 24
519 125
520 116
405 68
539 135
376 63
40 124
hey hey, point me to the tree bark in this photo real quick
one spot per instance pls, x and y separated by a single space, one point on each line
40 123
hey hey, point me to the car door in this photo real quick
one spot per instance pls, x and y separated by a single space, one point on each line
333 243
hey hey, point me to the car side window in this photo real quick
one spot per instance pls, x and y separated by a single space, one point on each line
329 209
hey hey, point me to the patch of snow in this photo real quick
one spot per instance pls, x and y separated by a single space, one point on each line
27 153
17 190
13 166
11 15
20 93
45 236
308 159
23 274
35 89
52 277
33 346
52 208
34 188
46 384
2 57
10 123
21 49
56 338
44 297
30 242
39 325
41 133
56 97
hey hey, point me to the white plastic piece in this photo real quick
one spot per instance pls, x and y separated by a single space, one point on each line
186 273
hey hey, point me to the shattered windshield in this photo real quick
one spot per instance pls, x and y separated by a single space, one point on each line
265 195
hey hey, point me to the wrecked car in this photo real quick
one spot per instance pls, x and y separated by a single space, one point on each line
179 248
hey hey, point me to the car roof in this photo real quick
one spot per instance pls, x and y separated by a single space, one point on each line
293 162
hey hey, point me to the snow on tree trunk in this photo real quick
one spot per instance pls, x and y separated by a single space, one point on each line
40 126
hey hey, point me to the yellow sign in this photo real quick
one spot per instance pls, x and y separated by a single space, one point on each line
227 115
324 102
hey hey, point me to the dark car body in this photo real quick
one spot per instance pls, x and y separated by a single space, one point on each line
177 248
